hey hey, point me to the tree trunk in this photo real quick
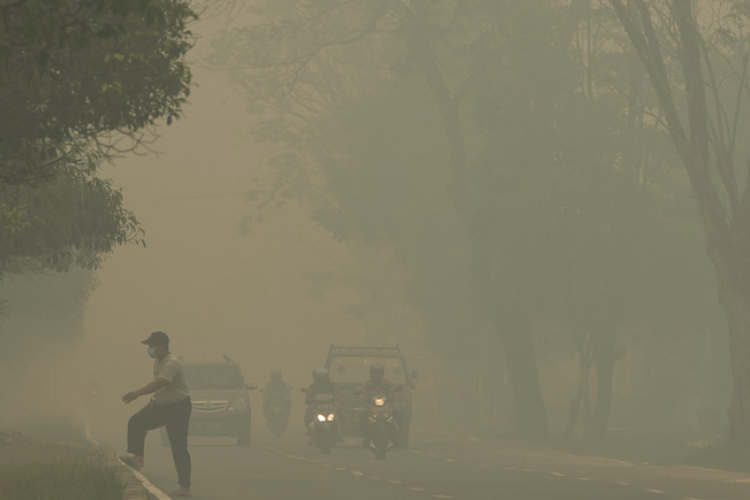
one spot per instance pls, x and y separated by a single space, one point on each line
531 416
738 320
603 405
581 398
446 102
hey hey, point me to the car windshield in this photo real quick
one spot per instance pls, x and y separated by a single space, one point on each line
356 369
214 377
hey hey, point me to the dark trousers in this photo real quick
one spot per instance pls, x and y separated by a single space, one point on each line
176 417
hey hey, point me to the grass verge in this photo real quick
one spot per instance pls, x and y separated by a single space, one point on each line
665 450
646 449
83 474
720 455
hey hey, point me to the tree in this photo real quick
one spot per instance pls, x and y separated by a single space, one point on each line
712 82
301 62
577 216
78 80
83 72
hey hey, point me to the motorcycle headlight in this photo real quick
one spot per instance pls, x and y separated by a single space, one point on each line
330 417
321 418
379 401
238 404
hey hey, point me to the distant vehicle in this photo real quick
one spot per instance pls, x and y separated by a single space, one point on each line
349 368
277 408
382 427
221 406
326 427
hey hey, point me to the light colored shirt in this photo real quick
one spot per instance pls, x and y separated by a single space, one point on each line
170 369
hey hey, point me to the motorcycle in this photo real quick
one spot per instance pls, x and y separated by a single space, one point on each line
277 408
325 425
382 426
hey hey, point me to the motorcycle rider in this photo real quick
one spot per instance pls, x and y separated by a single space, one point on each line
276 388
321 385
377 384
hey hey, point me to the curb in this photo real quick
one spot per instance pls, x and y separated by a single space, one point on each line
135 485
139 487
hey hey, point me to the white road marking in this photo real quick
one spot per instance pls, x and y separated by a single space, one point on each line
510 468
583 479
395 481
442 497
656 491
416 488
558 474
739 481
325 465
341 468
357 473
375 478
623 484
432 456
450 461
690 498
290 456
486 466
528 470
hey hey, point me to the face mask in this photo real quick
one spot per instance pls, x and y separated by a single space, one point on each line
152 352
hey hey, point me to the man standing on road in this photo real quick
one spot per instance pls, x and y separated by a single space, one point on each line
170 406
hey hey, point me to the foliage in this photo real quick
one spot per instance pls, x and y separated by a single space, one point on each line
386 187
696 58
73 71
575 211
73 219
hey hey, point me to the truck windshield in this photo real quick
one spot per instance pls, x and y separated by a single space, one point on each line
214 377
356 369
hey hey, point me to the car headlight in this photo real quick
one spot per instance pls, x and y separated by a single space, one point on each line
379 401
238 404
321 418
330 417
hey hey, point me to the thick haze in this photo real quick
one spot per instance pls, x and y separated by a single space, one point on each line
216 290
211 289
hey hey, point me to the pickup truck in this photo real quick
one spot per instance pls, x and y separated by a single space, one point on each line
349 368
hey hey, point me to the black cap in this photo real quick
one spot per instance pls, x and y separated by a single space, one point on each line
157 338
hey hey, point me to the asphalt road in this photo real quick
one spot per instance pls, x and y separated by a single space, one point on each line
436 466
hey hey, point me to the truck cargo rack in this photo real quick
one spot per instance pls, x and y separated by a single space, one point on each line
336 349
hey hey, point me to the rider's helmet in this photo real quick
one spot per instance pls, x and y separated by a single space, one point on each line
377 371
320 375
276 375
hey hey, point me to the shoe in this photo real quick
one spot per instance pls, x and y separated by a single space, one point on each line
130 462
